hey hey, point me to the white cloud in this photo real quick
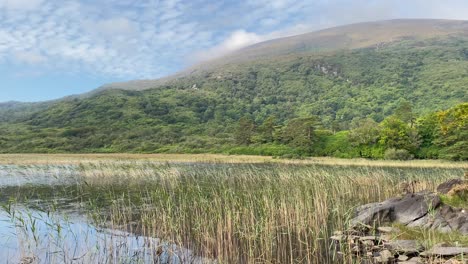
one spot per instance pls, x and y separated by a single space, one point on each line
114 27
152 38
20 4
236 40
240 39
29 57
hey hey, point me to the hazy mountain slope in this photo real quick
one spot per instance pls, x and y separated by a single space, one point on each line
369 34
10 111
200 111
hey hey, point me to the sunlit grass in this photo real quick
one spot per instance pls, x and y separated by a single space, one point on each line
55 159
231 212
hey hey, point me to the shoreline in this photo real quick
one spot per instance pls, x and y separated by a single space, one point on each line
60 159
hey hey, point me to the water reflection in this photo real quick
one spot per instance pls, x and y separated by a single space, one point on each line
42 221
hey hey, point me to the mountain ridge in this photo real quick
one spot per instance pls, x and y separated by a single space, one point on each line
213 110
422 27
455 26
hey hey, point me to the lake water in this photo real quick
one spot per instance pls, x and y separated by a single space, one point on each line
30 234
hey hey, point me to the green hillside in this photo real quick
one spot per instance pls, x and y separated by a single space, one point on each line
258 106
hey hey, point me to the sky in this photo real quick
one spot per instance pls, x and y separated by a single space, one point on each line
54 48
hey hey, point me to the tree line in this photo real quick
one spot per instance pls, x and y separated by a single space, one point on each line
442 134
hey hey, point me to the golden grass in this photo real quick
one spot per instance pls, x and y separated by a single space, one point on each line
60 159
233 212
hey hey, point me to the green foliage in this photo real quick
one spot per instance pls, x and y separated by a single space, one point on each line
337 145
397 154
404 112
459 200
244 131
453 132
395 134
305 104
364 132
300 133
265 149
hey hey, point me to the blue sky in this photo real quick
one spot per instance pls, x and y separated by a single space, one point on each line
54 48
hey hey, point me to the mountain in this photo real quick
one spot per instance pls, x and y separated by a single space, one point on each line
355 36
335 77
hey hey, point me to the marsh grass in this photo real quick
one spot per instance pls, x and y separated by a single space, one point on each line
234 213
75 159
429 238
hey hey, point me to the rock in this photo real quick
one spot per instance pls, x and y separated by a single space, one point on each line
376 248
371 238
355 249
442 244
377 259
386 229
27 260
414 210
403 210
445 219
403 258
453 261
415 260
447 186
386 256
368 243
445 251
407 247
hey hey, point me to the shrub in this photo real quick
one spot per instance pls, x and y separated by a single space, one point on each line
397 154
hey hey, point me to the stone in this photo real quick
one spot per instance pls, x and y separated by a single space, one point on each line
386 229
447 186
444 219
415 260
368 243
406 247
410 262
355 249
378 259
386 256
27 260
453 261
445 251
376 248
413 210
403 210
371 238
403 258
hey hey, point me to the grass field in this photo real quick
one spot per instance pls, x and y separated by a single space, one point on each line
232 209
54 159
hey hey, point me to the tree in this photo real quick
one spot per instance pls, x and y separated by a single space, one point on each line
364 132
267 130
364 135
300 133
427 127
245 130
397 134
453 132
404 112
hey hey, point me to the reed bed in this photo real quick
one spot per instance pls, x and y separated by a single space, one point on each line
235 213
76 159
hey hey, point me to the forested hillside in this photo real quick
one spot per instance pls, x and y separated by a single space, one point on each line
308 103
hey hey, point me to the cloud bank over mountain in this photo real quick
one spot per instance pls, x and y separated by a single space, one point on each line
126 39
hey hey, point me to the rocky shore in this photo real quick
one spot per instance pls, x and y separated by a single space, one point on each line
371 237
